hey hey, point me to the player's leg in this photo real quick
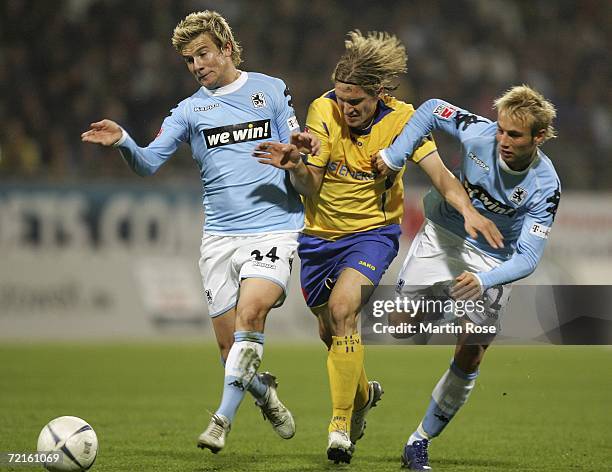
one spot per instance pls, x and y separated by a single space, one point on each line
220 278
449 395
425 265
263 286
456 384
257 296
352 395
368 393
224 327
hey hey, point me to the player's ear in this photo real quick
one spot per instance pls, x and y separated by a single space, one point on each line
539 136
226 50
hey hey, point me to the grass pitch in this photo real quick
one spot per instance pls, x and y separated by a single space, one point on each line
534 408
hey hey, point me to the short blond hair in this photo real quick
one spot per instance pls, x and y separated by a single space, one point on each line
528 107
372 62
210 22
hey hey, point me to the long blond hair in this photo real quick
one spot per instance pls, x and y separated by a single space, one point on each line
372 62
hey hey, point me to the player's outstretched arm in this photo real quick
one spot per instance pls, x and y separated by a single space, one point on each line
305 179
105 132
453 192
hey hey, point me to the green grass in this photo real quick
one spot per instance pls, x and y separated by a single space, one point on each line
533 408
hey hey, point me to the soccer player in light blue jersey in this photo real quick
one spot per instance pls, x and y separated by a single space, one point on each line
253 214
509 180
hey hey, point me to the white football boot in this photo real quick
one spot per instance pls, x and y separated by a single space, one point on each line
214 435
273 409
339 447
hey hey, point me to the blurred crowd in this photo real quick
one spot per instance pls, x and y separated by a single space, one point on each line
66 63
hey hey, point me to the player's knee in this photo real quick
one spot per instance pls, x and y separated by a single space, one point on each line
251 317
342 316
340 311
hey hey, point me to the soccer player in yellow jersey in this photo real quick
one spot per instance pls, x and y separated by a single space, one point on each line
352 226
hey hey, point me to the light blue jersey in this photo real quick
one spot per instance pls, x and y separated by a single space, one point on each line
223 126
522 204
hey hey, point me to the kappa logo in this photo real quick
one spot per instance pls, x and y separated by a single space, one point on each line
444 111
238 133
518 195
258 99
478 162
466 120
209 296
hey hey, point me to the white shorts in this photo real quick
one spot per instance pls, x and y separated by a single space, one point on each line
436 257
226 260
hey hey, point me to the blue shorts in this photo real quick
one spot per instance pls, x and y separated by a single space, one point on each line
368 252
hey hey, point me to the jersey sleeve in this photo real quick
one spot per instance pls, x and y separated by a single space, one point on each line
530 244
317 122
147 160
428 145
434 114
284 114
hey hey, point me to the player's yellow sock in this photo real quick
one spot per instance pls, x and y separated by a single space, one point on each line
344 366
363 391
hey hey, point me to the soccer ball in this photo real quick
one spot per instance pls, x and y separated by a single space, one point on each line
72 436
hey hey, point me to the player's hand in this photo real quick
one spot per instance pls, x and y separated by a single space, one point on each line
476 223
306 142
282 156
379 166
467 287
105 132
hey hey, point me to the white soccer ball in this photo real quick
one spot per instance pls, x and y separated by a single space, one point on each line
73 437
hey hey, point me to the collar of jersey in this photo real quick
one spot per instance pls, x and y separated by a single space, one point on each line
229 88
507 169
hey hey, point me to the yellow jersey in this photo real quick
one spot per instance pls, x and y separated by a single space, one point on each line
352 198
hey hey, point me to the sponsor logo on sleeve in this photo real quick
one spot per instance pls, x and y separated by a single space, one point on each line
238 133
518 196
467 119
540 230
258 99
292 123
444 111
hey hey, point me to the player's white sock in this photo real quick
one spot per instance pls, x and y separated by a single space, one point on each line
256 388
240 368
451 392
